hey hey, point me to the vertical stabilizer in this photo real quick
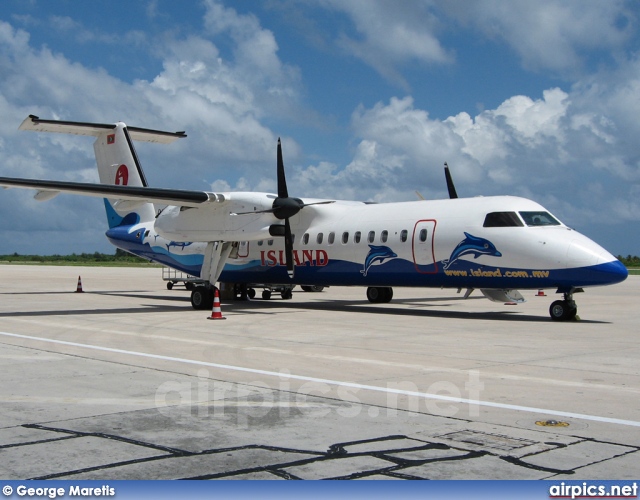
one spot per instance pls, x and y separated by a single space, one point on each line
118 164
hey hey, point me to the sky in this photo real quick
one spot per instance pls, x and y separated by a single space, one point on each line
370 97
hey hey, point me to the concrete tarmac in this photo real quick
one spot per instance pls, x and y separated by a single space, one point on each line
127 381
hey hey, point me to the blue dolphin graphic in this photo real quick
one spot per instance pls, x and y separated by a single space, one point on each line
472 245
181 244
377 254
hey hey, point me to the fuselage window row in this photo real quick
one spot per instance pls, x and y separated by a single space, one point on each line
357 237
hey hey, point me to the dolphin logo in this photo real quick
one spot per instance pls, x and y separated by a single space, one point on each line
472 245
176 244
377 254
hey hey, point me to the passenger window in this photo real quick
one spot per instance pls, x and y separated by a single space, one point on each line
502 219
305 238
260 243
332 238
423 235
319 238
384 236
403 235
356 237
371 237
270 242
345 238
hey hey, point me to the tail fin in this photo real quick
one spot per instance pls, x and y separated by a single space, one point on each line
116 158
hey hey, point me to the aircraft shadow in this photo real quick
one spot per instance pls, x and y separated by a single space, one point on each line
361 306
258 306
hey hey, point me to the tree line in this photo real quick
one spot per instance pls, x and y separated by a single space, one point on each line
119 257
629 260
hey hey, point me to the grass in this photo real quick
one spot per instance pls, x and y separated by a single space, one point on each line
119 259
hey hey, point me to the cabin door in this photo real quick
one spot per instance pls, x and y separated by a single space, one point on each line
423 249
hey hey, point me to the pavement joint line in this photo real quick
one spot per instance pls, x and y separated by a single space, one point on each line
353 385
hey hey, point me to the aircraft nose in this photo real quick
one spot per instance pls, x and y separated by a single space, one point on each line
602 267
613 271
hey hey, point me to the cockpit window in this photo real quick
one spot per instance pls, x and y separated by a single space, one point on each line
539 219
502 219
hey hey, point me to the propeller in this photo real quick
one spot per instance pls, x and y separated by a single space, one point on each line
284 207
452 189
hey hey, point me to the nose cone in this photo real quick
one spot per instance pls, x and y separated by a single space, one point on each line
595 265
611 272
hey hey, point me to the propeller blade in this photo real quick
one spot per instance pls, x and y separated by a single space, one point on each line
452 189
268 211
282 181
316 203
288 248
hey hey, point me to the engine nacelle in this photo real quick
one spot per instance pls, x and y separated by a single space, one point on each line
230 220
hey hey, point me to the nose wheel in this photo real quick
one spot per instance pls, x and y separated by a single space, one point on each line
563 310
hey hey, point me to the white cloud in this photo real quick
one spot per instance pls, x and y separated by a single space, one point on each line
548 34
545 34
391 35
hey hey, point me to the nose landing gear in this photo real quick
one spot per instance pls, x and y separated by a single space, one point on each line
564 310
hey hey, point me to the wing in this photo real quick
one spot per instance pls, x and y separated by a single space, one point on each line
48 189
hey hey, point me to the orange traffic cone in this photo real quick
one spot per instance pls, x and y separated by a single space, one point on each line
79 287
541 293
216 312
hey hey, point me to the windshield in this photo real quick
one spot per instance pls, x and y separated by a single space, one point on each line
502 219
539 219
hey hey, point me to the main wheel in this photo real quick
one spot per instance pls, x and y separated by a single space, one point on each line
312 288
562 310
379 294
201 298
287 294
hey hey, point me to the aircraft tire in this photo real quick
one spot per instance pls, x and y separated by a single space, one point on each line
562 310
266 295
379 294
201 298
287 294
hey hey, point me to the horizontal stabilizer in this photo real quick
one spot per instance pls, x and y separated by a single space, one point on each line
503 295
35 124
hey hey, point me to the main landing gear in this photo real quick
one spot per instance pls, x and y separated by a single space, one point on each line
564 310
202 297
379 294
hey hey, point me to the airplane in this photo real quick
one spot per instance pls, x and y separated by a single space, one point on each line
496 244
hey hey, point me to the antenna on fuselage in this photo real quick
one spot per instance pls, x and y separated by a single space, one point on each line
452 189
